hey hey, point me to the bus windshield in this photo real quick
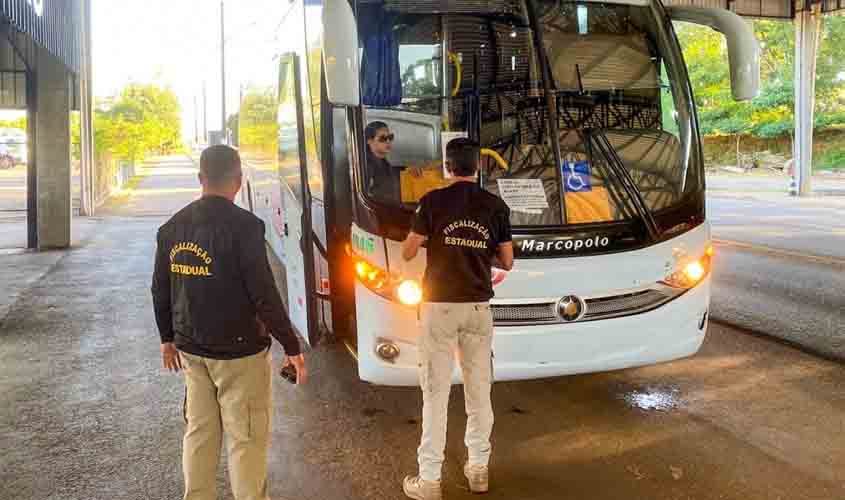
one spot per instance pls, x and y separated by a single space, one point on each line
614 76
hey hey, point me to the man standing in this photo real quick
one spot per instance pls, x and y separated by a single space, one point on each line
468 231
213 293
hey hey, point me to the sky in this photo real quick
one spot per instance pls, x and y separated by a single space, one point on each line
176 43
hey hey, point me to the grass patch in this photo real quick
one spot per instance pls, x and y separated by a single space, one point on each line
833 159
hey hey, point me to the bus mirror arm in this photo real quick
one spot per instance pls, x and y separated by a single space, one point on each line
743 47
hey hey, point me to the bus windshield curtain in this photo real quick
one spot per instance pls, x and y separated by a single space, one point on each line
381 78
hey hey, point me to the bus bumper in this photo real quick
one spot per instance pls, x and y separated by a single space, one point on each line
672 331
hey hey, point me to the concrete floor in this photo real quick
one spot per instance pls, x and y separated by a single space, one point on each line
89 413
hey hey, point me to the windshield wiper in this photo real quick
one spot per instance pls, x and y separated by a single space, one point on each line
580 81
600 142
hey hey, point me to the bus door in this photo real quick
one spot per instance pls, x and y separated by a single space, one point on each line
298 235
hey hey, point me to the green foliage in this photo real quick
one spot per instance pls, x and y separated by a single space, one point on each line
258 128
832 157
417 79
19 123
772 113
144 120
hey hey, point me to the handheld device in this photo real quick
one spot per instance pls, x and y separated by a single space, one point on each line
289 373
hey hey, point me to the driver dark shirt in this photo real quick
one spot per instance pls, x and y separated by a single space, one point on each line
382 179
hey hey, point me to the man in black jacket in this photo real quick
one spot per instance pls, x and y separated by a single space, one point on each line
213 294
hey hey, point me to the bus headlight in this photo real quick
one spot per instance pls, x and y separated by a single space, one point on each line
409 292
690 273
405 291
371 275
694 271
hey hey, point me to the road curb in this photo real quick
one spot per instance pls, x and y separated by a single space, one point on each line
827 260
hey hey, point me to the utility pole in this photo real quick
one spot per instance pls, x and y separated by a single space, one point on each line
196 121
223 70
204 115
86 136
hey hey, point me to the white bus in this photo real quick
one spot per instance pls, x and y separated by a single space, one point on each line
588 124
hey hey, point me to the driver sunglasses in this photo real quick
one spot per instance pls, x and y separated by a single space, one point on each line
386 138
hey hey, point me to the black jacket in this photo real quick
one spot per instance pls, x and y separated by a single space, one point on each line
212 282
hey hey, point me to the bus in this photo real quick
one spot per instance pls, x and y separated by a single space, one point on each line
588 129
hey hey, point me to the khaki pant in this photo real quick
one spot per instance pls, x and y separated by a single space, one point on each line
234 396
465 328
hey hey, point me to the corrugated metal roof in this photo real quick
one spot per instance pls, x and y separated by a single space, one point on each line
775 9
52 24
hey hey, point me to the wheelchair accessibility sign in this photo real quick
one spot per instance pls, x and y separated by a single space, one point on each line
576 176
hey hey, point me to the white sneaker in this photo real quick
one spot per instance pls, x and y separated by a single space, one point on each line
478 477
420 489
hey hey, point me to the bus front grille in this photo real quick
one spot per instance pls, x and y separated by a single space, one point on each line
525 313
597 308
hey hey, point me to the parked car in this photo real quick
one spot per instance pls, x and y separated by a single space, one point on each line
15 143
7 161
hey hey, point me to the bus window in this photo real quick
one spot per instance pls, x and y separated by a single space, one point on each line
313 64
288 133
401 79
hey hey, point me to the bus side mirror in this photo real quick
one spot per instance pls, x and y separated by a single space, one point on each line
340 53
743 47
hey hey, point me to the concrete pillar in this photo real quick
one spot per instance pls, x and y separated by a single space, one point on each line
52 130
808 27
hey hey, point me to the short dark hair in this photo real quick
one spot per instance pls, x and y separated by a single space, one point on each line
219 164
463 156
372 129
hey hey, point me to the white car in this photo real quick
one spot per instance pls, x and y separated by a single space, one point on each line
14 142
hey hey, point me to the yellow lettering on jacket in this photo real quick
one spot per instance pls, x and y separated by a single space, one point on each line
192 248
186 270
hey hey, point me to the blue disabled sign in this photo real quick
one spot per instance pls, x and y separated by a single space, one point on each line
576 176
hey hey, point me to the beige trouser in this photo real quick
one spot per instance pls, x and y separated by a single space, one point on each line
234 396
447 328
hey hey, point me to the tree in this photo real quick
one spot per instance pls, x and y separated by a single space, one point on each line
145 119
771 114
258 128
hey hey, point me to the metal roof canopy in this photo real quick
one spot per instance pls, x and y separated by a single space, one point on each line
770 9
52 24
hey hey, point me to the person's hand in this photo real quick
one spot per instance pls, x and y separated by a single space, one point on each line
298 363
170 357
416 170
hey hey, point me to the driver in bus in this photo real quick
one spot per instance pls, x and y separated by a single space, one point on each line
382 181
468 231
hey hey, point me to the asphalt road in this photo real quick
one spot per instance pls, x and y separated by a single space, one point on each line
780 268
813 226
830 184
13 206
13 189
89 414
